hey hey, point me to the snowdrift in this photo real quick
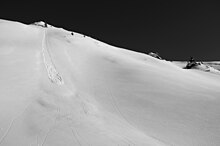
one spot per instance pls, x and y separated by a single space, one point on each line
63 89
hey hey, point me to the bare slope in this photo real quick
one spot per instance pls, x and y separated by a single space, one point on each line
62 89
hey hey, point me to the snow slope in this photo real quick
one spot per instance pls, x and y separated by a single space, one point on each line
58 89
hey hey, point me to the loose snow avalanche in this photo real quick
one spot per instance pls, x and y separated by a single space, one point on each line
51 70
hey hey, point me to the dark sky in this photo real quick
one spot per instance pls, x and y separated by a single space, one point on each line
174 29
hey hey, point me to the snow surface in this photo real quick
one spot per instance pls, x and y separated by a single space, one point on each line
58 89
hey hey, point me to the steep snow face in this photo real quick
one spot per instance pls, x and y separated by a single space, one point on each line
62 89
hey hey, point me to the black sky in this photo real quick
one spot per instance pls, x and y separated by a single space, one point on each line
174 29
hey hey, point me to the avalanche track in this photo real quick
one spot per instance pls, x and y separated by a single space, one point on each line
53 75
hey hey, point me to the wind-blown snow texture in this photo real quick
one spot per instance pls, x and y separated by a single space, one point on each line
58 89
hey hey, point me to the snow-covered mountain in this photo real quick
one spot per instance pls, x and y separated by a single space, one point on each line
61 88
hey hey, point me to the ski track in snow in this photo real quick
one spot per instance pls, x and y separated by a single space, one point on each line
11 124
75 135
50 129
116 108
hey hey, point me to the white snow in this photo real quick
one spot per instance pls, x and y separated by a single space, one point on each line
60 89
